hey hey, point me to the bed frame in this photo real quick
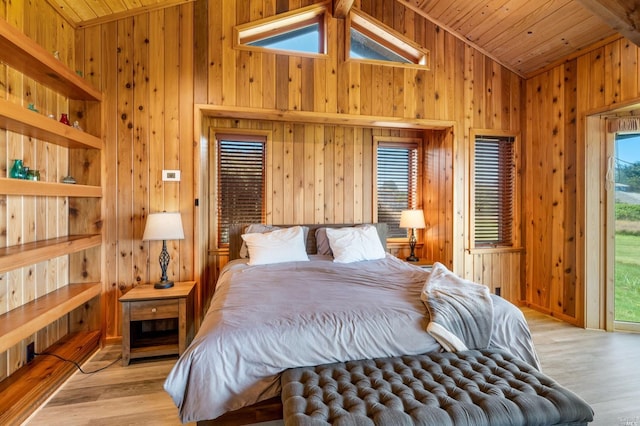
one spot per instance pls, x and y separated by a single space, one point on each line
264 411
237 229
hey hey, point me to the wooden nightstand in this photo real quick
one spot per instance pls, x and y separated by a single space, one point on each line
422 263
143 306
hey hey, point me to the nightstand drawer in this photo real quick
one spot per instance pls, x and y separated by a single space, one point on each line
154 309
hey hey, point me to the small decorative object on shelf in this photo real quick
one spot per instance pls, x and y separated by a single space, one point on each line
51 116
76 125
68 179
32 107
17 170
56 54
64 119
33 175
79 72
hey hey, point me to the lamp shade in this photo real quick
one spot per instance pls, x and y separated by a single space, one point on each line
412 219
163 226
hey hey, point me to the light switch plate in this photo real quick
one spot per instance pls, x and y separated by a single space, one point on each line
171 175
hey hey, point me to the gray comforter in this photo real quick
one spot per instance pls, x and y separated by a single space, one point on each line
266 319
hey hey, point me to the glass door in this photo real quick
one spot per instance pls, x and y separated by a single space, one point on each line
626 263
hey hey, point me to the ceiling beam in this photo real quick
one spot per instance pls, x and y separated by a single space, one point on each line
621 15
341 8
132 11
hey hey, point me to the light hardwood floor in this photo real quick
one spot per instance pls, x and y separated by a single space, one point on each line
603 368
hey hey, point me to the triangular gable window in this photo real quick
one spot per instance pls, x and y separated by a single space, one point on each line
299 31
362 47
371 40
299 40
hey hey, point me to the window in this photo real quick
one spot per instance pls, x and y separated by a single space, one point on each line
493 190
240 181
373 41
397 182
299 31
363 47
306 39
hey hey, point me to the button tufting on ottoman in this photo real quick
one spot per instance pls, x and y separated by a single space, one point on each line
487 387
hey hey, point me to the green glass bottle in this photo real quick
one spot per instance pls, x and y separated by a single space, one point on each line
17 171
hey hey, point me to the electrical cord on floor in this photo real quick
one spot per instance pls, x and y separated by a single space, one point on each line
78 365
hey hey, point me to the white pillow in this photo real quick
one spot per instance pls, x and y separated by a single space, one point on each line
254 227
283 245
355 244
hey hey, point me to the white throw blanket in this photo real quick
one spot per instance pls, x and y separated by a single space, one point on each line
461 311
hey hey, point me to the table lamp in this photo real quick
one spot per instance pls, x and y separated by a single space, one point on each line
163 226
413 219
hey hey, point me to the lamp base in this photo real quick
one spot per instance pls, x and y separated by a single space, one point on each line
412 245
163 284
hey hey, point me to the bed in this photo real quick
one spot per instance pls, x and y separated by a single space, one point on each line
267 318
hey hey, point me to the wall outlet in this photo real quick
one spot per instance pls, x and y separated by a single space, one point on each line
31 351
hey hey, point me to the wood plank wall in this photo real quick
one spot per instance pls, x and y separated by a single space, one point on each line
146 66
25 219
317 174
462 86
558 101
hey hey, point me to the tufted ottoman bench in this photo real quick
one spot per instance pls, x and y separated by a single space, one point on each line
486 387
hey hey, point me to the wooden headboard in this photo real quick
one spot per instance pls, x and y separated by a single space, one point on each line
237 229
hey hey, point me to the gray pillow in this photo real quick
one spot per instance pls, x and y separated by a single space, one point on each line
322 242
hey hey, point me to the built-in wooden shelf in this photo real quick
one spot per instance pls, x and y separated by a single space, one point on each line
10 186
152 350
25 55
29 387
30 123
25 320
15 257
331 118
26 388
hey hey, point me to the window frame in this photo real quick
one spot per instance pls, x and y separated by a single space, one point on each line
515 242
281 24
214 192
418 56
399 142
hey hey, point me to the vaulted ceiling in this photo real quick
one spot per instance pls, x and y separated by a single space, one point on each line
523 35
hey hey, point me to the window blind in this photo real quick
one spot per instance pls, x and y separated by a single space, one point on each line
494 180
241 184
397 176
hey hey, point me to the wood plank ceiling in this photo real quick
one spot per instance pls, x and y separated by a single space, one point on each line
523 35
82 13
